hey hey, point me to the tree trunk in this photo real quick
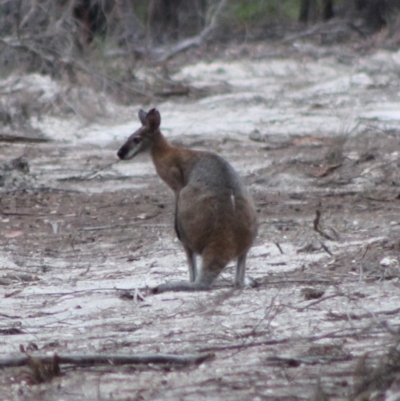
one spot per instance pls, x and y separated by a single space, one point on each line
375 14
92 16
327 9
174 19
304 11
163 20
308 10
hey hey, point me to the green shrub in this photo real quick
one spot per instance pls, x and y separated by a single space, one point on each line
250 11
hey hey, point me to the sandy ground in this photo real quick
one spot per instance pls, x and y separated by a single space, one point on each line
82 237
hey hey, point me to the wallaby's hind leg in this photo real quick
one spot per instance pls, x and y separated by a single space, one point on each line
240 279
191 259
214 262
202 283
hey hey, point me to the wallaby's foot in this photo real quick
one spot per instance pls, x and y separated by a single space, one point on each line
248 282
179 286
251 282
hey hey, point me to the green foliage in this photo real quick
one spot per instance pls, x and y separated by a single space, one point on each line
140 8
290 9
247 11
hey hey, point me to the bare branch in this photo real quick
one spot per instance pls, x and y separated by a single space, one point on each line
202 37
110 359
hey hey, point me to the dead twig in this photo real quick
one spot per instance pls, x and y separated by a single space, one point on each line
324 171
325 248
319 301
277 244
10 316
109 359
319 231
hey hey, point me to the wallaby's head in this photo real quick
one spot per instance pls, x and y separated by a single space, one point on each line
141 140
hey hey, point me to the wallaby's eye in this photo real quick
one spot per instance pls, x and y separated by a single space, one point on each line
136 140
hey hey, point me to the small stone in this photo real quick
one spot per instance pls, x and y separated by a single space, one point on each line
389 261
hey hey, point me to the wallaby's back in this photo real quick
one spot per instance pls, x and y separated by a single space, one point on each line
215 208
215 215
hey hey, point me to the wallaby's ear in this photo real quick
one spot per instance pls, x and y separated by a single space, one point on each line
142 116
153 119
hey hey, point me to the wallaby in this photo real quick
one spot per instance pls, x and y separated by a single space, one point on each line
214 213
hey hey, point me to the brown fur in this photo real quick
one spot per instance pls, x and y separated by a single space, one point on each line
214 216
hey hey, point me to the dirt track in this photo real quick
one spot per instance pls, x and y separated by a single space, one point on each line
81 232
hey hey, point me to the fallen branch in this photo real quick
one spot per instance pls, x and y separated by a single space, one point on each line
196 41
294 362
40 189
21 139
109 359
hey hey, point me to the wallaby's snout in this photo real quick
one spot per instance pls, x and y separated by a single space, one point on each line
131 147
215 215
122 152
